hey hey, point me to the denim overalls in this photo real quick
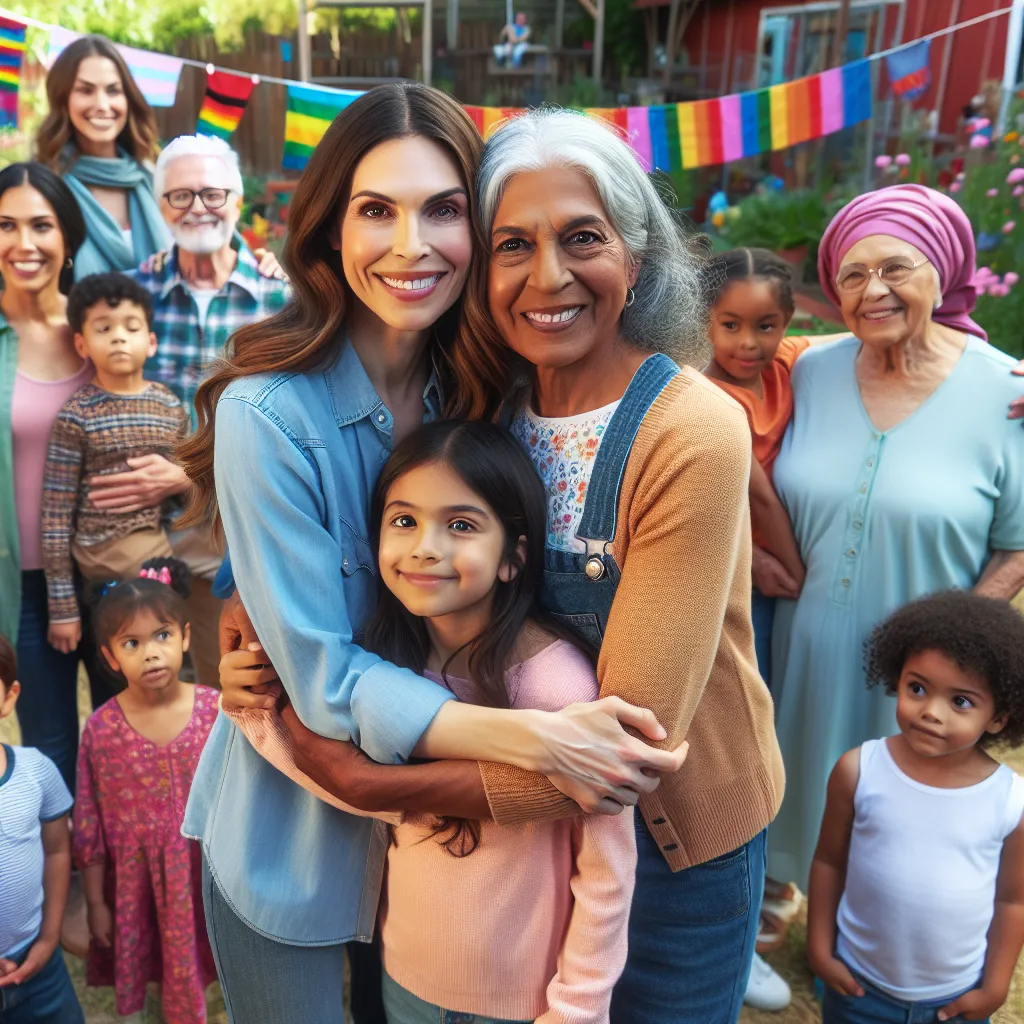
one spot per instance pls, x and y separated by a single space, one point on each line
691 932
578 587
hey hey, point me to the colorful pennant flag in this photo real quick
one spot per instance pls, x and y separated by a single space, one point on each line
156 74
12 52
310 111
910 70
224 103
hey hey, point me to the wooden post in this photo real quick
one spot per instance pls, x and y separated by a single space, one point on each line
302 38
727 60
670 40
705 26
428 41
947 58
598 43
842 30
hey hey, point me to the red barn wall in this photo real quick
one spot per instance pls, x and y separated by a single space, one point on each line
730 28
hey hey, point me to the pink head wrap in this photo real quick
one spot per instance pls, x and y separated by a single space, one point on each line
927 219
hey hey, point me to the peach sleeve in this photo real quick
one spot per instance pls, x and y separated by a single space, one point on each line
790 350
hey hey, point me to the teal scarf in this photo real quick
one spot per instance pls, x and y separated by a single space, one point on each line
105 247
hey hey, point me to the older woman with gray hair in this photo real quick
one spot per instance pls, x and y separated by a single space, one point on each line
591 296
901 473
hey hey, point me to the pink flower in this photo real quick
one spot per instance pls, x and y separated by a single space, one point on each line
955 186
979 142
1018 191
984 276
992 193
882 161
980 123
1009 226
903 159
1011 277
1016 176
998 291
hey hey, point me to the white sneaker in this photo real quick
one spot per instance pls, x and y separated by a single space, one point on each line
766 990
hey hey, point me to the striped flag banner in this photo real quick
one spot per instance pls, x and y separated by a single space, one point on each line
156 74
12 52
224 103
310 111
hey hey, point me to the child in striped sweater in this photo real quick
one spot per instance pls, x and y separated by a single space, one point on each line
116 416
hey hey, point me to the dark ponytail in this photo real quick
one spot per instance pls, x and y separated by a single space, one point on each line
725 268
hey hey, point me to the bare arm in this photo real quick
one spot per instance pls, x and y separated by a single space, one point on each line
772 522
1003 576
828 877
56 839
1005 937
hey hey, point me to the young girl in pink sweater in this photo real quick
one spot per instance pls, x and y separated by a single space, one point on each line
480 922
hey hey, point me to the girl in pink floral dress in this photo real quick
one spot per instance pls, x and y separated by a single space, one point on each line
135 767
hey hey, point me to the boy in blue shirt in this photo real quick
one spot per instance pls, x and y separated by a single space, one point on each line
35 870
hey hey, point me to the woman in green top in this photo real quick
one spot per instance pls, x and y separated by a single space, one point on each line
101 138
41 229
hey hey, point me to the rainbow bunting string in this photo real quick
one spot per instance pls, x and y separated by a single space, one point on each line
310 111
12 52
224 103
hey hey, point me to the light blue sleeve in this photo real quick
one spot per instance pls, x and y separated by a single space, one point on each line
287 568
1007 532
57 798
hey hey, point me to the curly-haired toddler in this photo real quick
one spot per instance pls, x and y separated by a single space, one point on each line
917 886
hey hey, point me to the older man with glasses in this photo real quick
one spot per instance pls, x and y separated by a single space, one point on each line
204 289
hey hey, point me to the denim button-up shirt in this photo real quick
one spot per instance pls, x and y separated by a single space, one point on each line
296 458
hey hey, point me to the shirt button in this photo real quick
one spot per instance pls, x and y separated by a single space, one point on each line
344 563
863 488
381 417
852 552
846 583
857 524
871 462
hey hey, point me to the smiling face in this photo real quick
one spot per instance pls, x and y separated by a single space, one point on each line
97 106
442 548
940 708
405 238
196 228
148 649
32 249
883 315
116 338
559 273
747 325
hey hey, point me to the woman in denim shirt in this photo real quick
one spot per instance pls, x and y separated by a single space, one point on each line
379 246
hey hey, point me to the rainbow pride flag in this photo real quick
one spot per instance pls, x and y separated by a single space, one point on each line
224 103
310 111
12 52
156 74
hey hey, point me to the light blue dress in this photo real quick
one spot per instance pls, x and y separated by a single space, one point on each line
881 518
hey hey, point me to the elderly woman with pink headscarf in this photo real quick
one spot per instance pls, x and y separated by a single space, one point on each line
901 473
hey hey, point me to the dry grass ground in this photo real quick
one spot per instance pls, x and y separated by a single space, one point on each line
790 962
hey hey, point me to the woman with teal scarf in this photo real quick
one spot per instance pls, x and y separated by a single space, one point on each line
100 137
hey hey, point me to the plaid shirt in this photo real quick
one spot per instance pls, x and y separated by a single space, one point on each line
185 347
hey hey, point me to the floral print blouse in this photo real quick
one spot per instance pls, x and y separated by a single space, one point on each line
564 449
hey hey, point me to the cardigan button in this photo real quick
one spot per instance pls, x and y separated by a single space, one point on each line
595 568
671 846
658 821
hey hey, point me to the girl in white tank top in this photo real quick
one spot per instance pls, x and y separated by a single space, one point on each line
917 887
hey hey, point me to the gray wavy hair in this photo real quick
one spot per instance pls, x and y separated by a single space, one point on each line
669 313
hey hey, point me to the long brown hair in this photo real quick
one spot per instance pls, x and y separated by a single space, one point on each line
139 136
304 335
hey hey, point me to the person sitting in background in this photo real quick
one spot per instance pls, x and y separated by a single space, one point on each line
512 42
35 865
100 136
117 415
207 287
917 885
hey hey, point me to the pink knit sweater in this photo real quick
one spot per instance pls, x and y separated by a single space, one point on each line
532 924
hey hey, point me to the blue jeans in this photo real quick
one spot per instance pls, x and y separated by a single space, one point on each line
405 1008
269 982
876 1007
691 936
48 705
46 998
762 614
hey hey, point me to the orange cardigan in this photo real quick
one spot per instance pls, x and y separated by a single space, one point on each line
679 639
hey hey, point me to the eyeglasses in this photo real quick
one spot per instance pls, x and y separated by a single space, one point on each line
184 198
854 277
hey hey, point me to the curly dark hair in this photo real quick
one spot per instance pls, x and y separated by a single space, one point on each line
112 289
725 268
983 635
8 664
119 601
